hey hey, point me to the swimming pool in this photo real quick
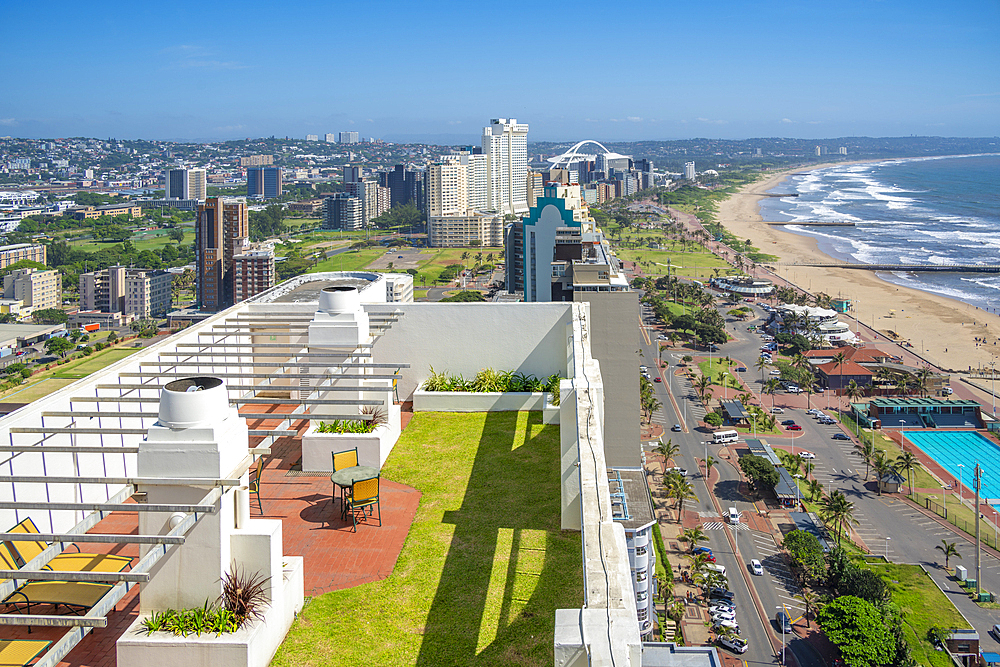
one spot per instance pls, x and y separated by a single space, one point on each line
949 448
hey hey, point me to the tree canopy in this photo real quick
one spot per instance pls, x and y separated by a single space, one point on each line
806 553
858 630
759 470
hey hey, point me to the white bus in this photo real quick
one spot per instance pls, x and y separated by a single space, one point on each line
725 436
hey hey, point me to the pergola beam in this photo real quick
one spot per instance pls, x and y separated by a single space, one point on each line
97 538
290 376
145 481
41 620
107 507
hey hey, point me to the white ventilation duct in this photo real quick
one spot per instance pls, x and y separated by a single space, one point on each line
193 402
339 299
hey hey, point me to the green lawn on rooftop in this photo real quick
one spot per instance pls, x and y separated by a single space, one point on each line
484 566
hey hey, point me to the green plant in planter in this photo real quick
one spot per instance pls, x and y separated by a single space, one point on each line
552 386
243 601
378 418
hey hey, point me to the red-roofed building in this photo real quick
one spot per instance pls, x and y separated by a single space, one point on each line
838 376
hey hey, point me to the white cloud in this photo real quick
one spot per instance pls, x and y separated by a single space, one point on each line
635 119
454 122
787 120
8 121
712 122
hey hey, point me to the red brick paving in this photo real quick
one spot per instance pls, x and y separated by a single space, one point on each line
334 556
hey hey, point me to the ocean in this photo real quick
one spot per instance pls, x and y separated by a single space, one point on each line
912 211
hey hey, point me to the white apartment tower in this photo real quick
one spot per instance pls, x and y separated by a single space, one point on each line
475 179
505 145
689 172
447 188
185 184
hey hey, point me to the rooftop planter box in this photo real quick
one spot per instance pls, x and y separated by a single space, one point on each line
471 401
373 448
252 646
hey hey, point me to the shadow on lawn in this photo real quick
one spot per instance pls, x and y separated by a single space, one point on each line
509 566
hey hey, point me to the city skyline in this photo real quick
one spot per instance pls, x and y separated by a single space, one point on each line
672 72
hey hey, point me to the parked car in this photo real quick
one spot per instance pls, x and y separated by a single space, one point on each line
756 567
777 411
719 593
733 643
794 390
775 372
741 369
788 422
841 436
723 616
794 427
807 455
702 550
676 428
783 623
812 411
726 626
657 379
827 421
682 471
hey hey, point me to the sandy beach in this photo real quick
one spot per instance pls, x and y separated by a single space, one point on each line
941 330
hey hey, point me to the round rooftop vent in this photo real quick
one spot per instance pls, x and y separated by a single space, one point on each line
193 401
340 299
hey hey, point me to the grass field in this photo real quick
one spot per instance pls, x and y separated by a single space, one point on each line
141 241
920 477
923 606
44 383
353 260
484 566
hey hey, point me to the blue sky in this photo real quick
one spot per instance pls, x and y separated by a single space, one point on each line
440 70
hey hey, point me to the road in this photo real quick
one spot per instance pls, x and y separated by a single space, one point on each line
776 587
913 534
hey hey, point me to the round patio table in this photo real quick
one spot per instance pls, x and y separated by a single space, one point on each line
346 478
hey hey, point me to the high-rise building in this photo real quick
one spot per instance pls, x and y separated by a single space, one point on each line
374 197
447 192
312 137
264 182
11 254
689 172
185 184
256 160
819 151
330 138
353 173
842 150
343 211
349 138
136 293
505 145
36 289
474 228
253 272
221 232
405 186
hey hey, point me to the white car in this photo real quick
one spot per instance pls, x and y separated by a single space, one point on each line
807 455
717 607
735 644
812 411
775 372
720 616
757 567
722 626
777 411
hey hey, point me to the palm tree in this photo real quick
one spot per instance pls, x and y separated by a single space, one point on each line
807 468
794 464
811 600
815 490
709 463
682 491
866 450
882 467
854 391
948 549
701 385
837 510
909 462
693 536
667 451
923 375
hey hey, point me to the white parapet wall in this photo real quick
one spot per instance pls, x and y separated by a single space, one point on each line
470 401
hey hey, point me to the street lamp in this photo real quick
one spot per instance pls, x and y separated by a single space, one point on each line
782 608
887 538
944 501
797 489
960 498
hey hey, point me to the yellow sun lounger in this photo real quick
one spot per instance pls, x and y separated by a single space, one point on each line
21 652
77 596
27 549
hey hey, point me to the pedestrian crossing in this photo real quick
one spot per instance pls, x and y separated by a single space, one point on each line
721 525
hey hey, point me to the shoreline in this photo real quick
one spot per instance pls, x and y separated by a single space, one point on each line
940 329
